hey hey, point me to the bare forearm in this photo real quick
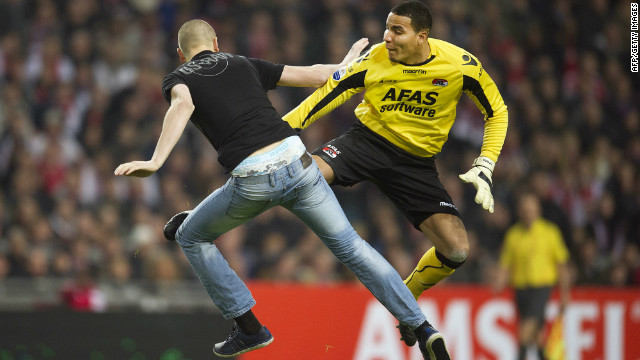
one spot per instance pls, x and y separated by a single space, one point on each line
317 75
307 76
326 70
174 123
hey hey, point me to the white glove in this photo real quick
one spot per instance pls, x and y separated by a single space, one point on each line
480 177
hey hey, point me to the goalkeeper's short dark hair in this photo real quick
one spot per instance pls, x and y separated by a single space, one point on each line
418 13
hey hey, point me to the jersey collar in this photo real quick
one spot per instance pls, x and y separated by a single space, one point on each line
422 63
201 54
433 55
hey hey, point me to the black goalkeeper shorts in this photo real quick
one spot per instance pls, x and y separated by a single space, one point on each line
411 182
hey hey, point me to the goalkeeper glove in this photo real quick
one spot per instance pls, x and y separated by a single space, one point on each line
480 177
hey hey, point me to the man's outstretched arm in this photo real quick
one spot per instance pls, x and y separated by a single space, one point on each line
317 75
175 120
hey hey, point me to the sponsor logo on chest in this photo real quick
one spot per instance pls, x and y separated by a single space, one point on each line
409 102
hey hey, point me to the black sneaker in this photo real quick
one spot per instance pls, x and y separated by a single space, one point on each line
173 224
432 345
239 343
407 335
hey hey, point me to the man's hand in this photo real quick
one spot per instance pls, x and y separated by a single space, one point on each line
480 177
355 51
137 168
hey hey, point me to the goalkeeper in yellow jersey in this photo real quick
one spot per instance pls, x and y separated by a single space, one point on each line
412 85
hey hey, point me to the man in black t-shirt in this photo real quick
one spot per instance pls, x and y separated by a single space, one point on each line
225 96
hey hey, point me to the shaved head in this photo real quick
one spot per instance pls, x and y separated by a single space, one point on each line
195 34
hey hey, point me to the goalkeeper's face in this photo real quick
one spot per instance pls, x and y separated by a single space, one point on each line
402 42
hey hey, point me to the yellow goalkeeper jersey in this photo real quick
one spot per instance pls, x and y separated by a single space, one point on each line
412 106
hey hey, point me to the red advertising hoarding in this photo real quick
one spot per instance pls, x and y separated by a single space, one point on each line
345 322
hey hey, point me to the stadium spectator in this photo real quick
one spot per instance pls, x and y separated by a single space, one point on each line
17 251
82 294
5 267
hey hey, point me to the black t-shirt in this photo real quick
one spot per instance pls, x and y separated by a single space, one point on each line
231 105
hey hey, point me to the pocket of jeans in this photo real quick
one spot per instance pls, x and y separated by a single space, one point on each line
312 191
247 204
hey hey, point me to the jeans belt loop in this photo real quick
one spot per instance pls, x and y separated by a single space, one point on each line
290 169
272 179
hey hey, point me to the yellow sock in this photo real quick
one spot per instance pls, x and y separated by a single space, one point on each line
427 273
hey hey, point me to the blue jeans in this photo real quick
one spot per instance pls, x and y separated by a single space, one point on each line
305 193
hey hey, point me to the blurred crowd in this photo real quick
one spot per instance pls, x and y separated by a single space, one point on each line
80 93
